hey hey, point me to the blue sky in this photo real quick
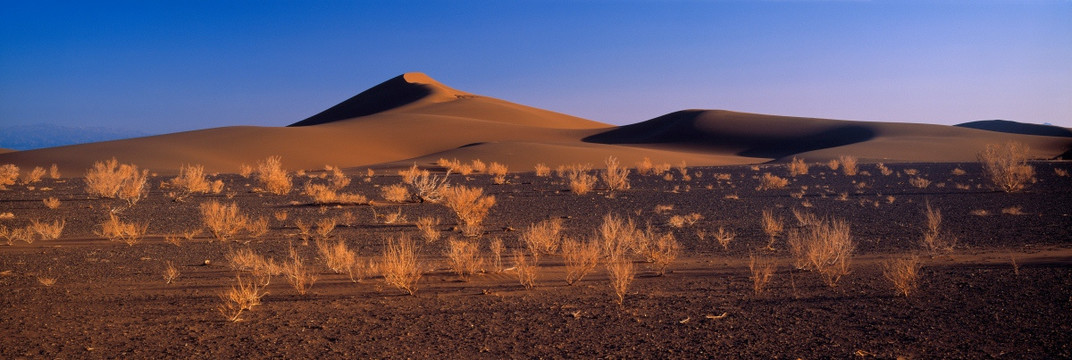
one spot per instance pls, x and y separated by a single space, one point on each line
163 66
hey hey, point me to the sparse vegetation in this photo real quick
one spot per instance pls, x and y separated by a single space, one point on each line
919 182
242 296
400 266
51 202
615 176
9 173
724 237
543 237
223 220
34 175
581 257
470 205
797 167
825 247
272 177
772 226
127 232
769 182
542 170
526 269
464 258
903 273
580 181
496 247
621 272
191 180
1006 165
298 274
427 228
340 258
934 239
170 272
395 193
498 172
54 171
48 230
761 273
109 179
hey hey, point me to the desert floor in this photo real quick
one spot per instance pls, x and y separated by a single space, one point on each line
1005 290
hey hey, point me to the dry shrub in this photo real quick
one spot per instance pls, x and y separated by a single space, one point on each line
325 226
797 167
621 272
761 273
833 164
54 171
410 174
26 234
542 170
903 273
919 182
257 228
498 172
173 239
245 170
338 179
526 269
580 181
47 281
825 247
170 273
580 258
304 230
464 258
958 172
298 274
478 166
768 182
772 226
883 169
400 265
242 296
805 218
662 251
661 168
272 177
615 176
395 193
617 236
430 188
109 179
934 239
496 247
644 167
390 217
427 227
48 231
9 173
127 232
1060 172
339 258
51 203
543 237
191 180
680 221
34 175
848 165
470 205
281 215
262 269
1006 165
1013 210
683 170
224 221
724 237
321 194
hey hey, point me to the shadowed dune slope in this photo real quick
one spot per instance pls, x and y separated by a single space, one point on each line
414 119
1017 128
781 137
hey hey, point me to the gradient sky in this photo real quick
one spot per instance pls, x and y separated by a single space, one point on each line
164 66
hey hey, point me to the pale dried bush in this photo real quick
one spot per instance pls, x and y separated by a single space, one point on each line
281 215
621 273
464 258
580 181
833 164
883 169
48 231
498 172
958 172
1060 172
191 180
470 205
340 258
580 258
54 171
644 167
1006 165
272 177
430 188
911 172
427 227
127 232
390 217
245 170
680 221
304 230
826 248
903 274
543 238
324 195
1013 210
298 274
617 236
399 264
109 179
934 239
542 170
47 281
223 220
478 166
772 226
724 237
526 269
683 170
797 167
496 247
848 165
395 193
324 227
170 273
9 173
661 168
257 228
662 252
26 234
173 239
410 174
919 182
615 176
761 273
805 218
338 179
51 203
262 269
242 296
768 182
34 175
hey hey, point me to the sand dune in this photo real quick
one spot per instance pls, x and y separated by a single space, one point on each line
414 119
1018 128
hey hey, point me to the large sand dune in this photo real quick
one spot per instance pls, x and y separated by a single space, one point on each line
414 119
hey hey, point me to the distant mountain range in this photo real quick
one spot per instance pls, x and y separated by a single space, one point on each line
37 136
